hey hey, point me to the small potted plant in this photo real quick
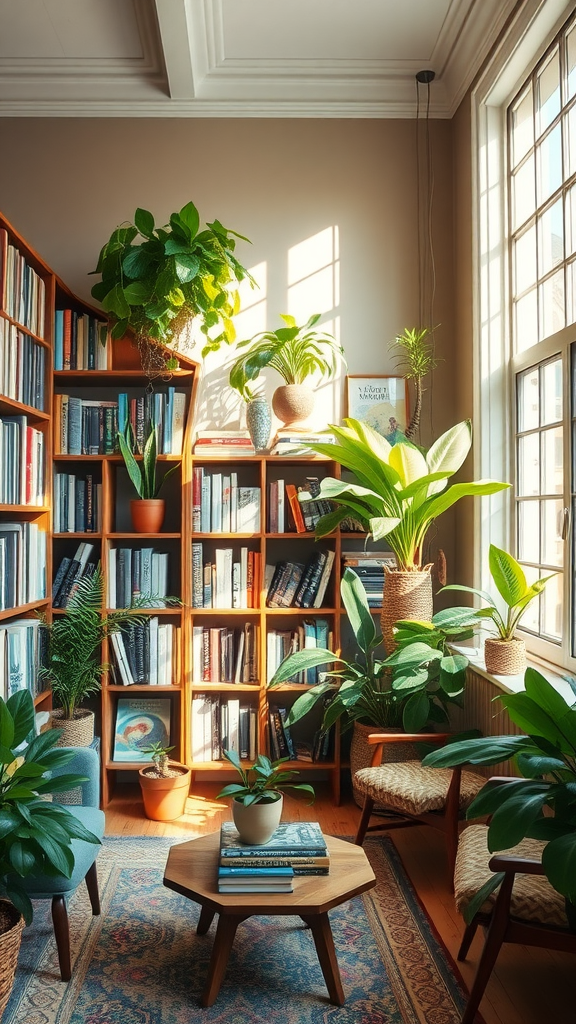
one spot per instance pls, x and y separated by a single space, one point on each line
257 799
505 654
147 510
165 784
26 816
295 353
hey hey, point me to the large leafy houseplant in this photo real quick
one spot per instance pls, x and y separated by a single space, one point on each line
35 834
397 493
546 758
155 279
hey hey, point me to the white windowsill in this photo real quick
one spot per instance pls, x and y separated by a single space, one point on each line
515 684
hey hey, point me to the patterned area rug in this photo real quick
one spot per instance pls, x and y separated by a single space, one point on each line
141 962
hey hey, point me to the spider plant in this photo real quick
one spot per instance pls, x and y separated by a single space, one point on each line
416 360
294 352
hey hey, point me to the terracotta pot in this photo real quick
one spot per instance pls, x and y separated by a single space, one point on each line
77 731
292 403
505 657
257 823
407 595
147 515
11 926
165 799
361 752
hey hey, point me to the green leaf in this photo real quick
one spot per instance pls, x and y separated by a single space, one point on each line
358 610
115 302
507 574
510 823
478 901
559 863
190 217
534 765
485 751
137 262
131 465
6 727
381 526
137 293
300 661
144 221
21 707
416 711
303 704
448 453
533 719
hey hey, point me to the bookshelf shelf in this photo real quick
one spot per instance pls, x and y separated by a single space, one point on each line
23 609
22 327
9 407
79 535
143 688
24 508
144 536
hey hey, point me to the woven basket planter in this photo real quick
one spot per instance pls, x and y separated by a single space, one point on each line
407 595
77 731
505 657
11 926
361 753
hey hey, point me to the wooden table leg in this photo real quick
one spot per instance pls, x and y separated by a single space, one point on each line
225 932
324 942
205 920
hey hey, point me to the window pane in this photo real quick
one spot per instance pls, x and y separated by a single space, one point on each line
571 293
551 392
552 315
526 321
525 261
571 62
529 530
570 141
548 93
551 610
528 399
529 464
550 239
522 127
549 158
552 461
523 192
552 543
570 227
531 617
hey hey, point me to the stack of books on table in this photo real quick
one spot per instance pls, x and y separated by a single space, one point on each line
223 442
296 442
369 567
296 845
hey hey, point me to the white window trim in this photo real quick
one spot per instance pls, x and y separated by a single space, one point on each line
515 56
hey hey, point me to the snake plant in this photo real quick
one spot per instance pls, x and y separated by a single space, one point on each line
143 476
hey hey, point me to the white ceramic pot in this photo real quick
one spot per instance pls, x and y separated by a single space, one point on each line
257 823
293 403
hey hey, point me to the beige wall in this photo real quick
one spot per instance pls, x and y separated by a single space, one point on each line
280 182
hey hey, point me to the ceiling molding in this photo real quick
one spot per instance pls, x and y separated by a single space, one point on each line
466 51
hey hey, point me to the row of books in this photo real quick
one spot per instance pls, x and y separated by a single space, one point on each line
296 442
219 505
230 581
223 442
299 584
146 653
307 634
77 506
219 724
23 292
22 652
282 744
22 448
296 846
138 577
369 567
22 366
223 655
80 341
90 427
70 571
286 510
22 564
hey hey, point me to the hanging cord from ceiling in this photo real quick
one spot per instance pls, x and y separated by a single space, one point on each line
425 197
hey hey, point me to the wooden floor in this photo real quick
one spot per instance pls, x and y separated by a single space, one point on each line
528 986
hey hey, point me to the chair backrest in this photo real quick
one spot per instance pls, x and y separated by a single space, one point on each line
86 762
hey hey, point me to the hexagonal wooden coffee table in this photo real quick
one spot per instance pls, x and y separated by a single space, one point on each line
192 869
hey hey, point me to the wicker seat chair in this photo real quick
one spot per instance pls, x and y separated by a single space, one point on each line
526 909
411 794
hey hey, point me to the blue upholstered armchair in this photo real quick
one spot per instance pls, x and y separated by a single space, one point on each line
57 888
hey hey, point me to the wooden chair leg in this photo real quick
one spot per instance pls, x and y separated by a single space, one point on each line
91 880
467 938
364 820
494 940
62 934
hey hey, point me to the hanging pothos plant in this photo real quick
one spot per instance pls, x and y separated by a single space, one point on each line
157 279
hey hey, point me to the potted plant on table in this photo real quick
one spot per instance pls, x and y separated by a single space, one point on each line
413 687
296 353
400 492
258 799
505 654
165 785
26 822
156 280
147 510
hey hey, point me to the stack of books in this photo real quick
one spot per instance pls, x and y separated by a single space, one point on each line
90 426
230 580
295 442
22 651
146 652
369 567
223 442
223 655
23 292
299 585
255 879
77 503
282 744
21 461
298 845
80 341
219 505
138 575
219 725
288 513
308 634
22 366
22 564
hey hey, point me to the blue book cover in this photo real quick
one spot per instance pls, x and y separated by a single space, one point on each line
122 412
59 339
138 724
168 418
224 872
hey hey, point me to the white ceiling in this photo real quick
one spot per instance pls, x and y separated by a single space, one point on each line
240 58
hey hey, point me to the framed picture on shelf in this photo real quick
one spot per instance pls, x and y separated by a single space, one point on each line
140 723
380 401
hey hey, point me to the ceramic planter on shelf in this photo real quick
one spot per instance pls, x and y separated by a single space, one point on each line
505 657
11 926
77 731
259 422
293 403
257 823
147 514
407 595
165 798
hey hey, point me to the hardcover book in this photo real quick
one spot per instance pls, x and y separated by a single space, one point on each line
291 838
138 724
